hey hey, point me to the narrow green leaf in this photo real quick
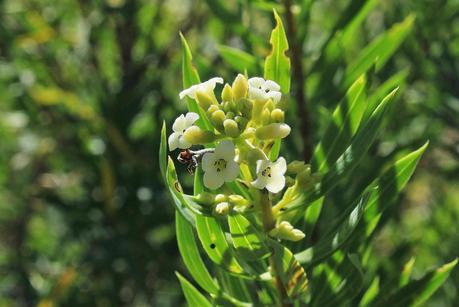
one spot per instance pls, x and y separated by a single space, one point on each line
339 233
360 144
190 255
379 50
406 272
277 64
417 292
275 149
163 153
192 295
182 204
198 186
345 122
246 239
214 243
190 77
238 59
337 282
291 272
370 294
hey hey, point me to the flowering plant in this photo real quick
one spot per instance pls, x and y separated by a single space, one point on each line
254 213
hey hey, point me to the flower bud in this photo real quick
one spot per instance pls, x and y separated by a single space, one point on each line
222 208
245 107
269 105
217 118
227 93
285 231
205 198
241 122
219 198
212 109
204 100
273 131
229 115
306 180
265 117
254 155
257 109
196 135
238 200
277 116
295 167
240 87
231 128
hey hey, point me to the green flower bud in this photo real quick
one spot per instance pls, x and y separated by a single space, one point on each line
231 128
227 93
240 87
229 115
238 200
254 155
245 107
306 180
295 167
205 198
273 131
241 122
217 118
257 109
195 135
204 100
219 198
212 109
269 105
285 231
277 116
265 117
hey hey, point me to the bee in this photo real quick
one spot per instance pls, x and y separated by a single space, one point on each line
192 157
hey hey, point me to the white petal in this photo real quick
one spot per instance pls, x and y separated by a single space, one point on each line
271 85
183 143
262 165
256 82
280 166
190 118
225 150
275 184
173 141
212 82
208 161
179 124
231 172
256 93
260 183
213 180
190 92
275 96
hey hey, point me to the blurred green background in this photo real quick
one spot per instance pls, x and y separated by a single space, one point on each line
85 86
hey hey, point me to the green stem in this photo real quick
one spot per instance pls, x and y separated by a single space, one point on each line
269 222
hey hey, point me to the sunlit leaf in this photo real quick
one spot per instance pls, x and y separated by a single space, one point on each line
238 59
277 64
192 295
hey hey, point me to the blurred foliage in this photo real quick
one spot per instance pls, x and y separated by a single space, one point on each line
84 86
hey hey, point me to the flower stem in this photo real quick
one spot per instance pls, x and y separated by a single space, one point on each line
269 223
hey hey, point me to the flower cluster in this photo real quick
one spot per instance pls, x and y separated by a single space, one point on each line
244 125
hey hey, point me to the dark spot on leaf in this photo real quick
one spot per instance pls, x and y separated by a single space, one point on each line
212 246
178 187
282 209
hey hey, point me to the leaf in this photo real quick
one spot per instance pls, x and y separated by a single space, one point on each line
191 257
190 77
214 243
389 184
192 295
275 149
246 239
360 144
277 64
340 232
337 282
345 122
163 153
187 208
292 274
198 186
371 293
419 291
406 272
379 50
238 59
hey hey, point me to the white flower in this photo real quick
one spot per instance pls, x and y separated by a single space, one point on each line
284 230
219 166
270 175
260 88
181 123
206 87
222 208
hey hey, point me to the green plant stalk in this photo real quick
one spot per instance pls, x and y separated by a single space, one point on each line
269 222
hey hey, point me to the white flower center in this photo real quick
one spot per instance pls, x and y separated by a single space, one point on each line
220 164
266 172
